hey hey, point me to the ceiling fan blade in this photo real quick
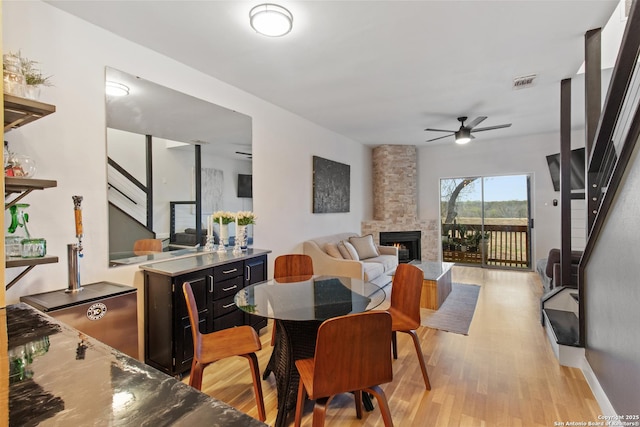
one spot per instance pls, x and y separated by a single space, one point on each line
440 137
440 130
475 122
492 127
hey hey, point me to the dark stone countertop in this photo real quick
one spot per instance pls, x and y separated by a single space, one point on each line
60 377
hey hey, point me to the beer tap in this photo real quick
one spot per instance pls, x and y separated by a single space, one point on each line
74 250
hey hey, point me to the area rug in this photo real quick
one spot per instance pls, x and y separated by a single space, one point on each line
456 312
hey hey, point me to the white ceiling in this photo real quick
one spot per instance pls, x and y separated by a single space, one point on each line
379 72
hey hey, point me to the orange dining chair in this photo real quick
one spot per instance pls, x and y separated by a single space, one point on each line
352 355
287 268
298 266
147 246
405 310
207 348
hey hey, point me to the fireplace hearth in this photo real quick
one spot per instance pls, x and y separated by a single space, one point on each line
407 242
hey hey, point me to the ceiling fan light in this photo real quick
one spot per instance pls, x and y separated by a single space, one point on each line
463 136
271 20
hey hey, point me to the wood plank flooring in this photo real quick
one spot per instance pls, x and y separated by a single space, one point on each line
503 373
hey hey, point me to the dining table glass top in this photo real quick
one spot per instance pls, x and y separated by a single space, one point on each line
306 298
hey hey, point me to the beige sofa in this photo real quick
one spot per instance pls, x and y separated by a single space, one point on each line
374 269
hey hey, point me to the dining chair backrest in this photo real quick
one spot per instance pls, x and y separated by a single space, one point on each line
213 346
293 265
144 246
352 353
192 309
406 290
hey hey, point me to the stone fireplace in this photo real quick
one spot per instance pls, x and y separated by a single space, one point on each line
395 199
407 242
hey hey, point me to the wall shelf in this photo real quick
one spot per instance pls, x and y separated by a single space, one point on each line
13 185
20 111
29 263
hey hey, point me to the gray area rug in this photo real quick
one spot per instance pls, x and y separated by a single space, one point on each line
456 312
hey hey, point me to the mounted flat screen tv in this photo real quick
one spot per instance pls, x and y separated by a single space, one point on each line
577 170
245 186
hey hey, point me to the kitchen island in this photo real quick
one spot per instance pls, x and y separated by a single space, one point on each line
60 377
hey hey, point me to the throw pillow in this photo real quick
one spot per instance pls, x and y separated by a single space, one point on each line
348 251
365 246
332 249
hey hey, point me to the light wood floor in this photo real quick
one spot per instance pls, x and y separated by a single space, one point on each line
502 374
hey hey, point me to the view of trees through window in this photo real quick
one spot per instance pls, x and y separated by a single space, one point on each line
485 220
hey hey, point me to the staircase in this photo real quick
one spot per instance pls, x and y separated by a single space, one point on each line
560 311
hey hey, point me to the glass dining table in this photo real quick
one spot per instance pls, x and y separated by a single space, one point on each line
299 305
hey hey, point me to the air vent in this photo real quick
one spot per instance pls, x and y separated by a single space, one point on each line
524 81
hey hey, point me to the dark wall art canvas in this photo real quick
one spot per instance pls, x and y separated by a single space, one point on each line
331 186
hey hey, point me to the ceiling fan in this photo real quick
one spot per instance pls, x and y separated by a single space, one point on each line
463 135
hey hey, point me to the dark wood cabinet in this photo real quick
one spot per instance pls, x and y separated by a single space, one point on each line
215 282
255 272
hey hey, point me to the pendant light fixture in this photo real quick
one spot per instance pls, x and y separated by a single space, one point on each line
271 20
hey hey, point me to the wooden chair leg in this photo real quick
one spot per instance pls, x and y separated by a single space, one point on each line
300 404
195 377
320 411
423 365
394 344
382 403
257 385
358 397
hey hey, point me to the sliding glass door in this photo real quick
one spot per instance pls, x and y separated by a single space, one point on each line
486 221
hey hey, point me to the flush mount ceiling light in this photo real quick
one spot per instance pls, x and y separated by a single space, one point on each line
271 20
463 136
116 89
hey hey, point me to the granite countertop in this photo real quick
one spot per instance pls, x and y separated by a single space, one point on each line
180 266
60 377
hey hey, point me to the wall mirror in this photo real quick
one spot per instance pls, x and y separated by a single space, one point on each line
162 146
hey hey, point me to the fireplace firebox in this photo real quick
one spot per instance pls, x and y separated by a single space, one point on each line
407 242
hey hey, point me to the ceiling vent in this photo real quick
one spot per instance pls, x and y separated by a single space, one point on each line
524 81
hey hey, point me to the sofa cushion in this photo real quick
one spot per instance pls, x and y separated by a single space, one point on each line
388 262
332 249
365 246
348 251
372 270
333 238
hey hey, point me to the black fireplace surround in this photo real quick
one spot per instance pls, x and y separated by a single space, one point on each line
407 242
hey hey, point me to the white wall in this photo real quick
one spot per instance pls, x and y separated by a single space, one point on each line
69 146
485 157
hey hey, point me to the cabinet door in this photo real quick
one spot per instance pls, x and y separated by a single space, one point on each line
255 270
184 339
158 322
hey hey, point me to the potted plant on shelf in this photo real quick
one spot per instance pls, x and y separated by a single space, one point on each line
34 79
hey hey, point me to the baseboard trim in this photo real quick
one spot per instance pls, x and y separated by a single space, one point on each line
596 389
